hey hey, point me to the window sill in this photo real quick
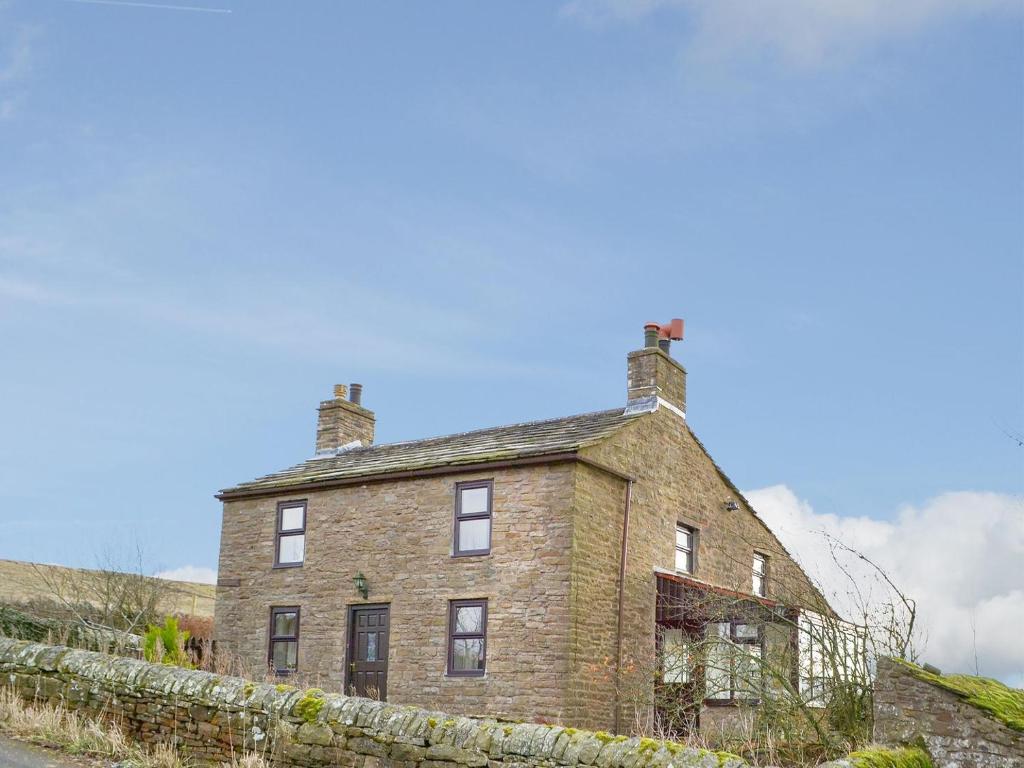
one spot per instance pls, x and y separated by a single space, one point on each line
474 553
464 675
732 702
280 566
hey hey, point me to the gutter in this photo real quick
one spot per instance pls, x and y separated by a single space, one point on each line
446 469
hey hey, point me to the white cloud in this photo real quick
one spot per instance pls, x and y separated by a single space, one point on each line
801 32
960 555
197 573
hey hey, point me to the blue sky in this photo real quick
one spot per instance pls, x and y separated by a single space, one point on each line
208 219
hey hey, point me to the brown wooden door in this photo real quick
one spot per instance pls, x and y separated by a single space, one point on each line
368 651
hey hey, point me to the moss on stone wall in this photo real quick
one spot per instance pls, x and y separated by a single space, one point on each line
879 757
309 706
1005 703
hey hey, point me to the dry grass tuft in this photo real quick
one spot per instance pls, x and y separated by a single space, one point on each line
250 760
71 732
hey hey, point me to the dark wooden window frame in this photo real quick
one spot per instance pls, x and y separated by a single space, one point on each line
453 606
694 538
734 700
279 534
272 638
764 574
460 517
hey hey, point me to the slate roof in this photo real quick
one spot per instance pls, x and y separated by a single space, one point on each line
515 441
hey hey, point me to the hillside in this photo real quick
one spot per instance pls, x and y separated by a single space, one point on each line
21 582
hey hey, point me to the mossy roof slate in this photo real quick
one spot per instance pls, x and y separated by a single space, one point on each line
514 441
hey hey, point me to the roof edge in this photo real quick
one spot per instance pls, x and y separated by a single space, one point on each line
753 510
233 494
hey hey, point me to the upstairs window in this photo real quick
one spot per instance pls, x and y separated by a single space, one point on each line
686 548
473 503
284 640
290 548
467 638
760 584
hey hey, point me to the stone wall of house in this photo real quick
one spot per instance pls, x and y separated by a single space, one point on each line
400 536
213 718
955 733
676 482
596 551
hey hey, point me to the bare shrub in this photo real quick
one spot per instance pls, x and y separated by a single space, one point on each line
118 594
198 627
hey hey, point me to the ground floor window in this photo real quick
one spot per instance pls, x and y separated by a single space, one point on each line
831 651
284 640
733 662
675 656
467 637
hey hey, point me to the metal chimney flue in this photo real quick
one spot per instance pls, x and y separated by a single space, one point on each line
651 335
662 335
355 394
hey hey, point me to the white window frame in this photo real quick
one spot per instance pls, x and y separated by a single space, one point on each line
690 553
759 583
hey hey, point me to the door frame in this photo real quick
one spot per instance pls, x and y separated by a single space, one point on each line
350 650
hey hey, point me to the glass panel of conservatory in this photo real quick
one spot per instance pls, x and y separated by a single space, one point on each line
675 659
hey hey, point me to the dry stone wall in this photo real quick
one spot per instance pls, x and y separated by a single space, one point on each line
24 626
956 734
214 718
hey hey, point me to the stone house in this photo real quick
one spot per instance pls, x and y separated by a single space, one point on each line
557 570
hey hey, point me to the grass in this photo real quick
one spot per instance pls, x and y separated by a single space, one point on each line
1004 703
71 732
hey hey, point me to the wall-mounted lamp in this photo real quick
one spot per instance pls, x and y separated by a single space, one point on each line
731 505
361 586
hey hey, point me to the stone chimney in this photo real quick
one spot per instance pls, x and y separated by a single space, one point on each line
343 422
654 377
